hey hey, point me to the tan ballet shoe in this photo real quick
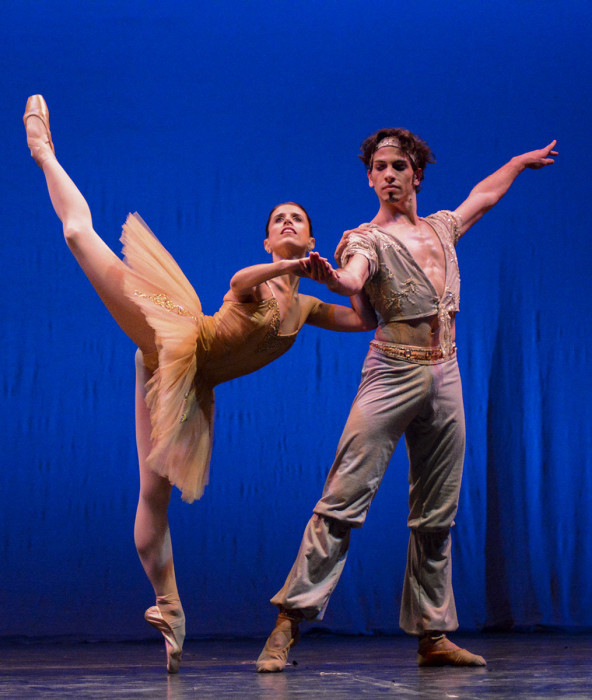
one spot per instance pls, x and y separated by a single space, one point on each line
173 636
438 650
286 634
37 107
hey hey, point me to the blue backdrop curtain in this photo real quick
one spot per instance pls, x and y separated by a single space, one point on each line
201 116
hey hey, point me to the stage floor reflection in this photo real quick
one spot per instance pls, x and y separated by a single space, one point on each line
533 665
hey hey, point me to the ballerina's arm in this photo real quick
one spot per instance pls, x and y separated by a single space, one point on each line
246 282
336 317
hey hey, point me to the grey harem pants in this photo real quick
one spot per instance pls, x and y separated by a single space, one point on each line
395 397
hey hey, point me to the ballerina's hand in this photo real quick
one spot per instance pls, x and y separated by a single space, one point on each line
317 268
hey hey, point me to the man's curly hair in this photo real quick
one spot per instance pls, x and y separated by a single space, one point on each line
418 150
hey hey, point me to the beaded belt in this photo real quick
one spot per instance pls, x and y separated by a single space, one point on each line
410 353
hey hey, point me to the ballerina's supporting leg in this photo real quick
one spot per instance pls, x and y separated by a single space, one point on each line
152 534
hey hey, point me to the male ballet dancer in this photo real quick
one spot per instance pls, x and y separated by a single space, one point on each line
410 385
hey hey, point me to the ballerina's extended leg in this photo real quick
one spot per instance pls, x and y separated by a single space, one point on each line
100 264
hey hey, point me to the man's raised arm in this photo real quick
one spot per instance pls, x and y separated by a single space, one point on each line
489 191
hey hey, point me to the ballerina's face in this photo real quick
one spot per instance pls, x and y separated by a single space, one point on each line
288 232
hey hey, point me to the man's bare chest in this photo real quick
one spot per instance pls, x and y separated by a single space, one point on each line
424 246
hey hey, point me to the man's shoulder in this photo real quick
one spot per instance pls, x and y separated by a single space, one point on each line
447 222
443 215
363 233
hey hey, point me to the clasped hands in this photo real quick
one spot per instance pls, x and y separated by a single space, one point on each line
320 269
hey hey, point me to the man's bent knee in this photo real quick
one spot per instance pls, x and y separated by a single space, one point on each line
337 528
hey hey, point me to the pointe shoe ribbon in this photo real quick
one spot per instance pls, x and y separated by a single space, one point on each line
274 657
37 107
174 647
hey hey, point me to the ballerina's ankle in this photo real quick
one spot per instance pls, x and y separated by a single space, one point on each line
171 609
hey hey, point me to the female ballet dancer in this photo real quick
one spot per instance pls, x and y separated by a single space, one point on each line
182 353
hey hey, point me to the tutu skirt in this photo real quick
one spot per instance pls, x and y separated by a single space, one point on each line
181 409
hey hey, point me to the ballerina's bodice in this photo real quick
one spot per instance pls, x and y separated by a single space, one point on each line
240 338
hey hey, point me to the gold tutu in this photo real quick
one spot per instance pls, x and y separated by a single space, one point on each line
182 421
195 353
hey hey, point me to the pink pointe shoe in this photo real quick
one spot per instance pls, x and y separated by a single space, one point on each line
38 138
173 636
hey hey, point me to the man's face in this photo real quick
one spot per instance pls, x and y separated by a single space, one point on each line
392 175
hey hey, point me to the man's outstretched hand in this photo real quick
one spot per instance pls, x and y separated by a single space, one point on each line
539 158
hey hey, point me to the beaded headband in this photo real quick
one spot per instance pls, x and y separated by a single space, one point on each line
395 143
388 141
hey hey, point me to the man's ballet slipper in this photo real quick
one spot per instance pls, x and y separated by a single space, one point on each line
442 652
286 634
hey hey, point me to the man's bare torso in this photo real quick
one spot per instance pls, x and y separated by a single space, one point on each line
424 245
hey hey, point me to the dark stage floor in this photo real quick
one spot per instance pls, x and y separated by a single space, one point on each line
519 665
